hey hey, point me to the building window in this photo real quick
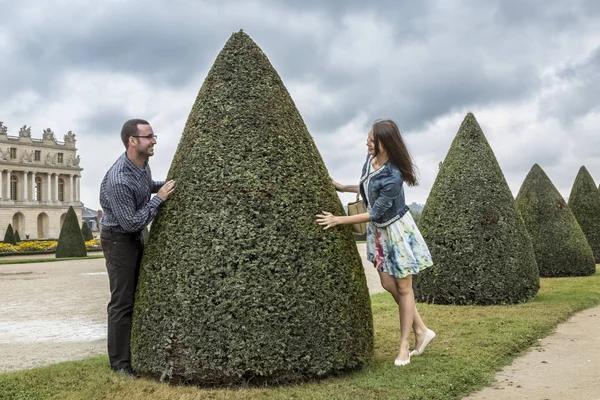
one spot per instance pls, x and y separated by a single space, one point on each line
37 156
13 187
60 158
61 189
13 153
38 188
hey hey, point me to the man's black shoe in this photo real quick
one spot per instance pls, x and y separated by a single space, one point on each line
127 372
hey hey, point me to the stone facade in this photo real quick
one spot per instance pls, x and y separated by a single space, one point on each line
39 180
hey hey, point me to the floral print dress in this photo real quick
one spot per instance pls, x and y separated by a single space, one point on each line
399 248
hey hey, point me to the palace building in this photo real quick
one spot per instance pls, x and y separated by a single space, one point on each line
39 180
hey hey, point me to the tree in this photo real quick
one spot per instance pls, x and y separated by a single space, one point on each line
9 235
239 284
584 201
86 232
481 251
560 246
70 240
17 237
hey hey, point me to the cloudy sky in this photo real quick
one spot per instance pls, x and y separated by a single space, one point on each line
528 69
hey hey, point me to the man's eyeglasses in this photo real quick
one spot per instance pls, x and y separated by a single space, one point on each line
151 137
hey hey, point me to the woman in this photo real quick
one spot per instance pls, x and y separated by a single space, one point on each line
394 244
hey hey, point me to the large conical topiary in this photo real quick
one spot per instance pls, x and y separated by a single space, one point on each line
70 240
9 235
86 232
560 246
481 251
238 283
584 201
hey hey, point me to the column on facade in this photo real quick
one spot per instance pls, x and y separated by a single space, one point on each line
8 172
78 187
1 188
56 187
49 191
77 180
25 186
32 186
71 188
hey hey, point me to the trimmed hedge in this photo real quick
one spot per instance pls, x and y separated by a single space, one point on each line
86 232
481 251
70 240
9 235
560 246
17 237
264 295
584 201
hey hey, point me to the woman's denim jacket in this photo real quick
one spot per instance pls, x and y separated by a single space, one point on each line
385 193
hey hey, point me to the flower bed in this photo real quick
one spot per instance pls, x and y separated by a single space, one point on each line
40 247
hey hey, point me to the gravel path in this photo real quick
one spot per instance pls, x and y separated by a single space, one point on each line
565 365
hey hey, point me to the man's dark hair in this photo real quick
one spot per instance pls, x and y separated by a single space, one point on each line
130 128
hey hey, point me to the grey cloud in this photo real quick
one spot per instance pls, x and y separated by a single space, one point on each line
104 122
581 96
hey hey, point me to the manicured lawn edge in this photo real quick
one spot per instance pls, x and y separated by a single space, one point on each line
473 344
42 260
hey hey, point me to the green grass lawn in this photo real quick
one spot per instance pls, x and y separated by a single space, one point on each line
472 344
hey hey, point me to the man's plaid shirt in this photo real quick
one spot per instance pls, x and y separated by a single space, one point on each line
125 196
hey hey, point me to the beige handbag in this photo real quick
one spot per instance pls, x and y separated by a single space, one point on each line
358 207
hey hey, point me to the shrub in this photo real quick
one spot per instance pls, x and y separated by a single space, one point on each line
70 240
36 246
264 294
92 244
560 246
86 232
481 251
7 248
584 201
9 236
17 237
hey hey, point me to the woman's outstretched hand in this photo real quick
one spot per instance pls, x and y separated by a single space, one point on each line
339 187
327 220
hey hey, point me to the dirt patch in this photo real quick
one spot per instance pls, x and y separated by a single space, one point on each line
56 311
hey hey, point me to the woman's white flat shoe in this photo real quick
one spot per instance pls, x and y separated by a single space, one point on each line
401 363
429 336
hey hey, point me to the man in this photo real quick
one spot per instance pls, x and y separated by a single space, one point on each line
126 209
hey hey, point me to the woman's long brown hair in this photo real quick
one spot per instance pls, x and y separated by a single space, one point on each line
387 134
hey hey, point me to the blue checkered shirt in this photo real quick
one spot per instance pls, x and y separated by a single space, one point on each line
125 196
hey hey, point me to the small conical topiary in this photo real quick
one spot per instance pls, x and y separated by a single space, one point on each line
239 283
560 246
9 235
86 232
70 240
481 251
584 201
17 237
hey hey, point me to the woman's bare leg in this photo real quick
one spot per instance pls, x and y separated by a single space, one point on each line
406 307
389 283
